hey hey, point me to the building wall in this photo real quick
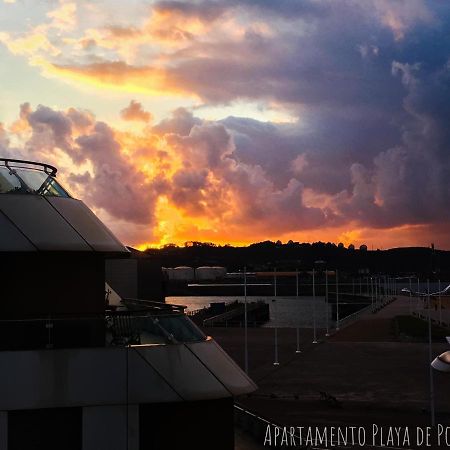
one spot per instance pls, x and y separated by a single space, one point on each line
111 427
201 425
42 284
54 428
136 278
151 284
122 276
51 286
119 375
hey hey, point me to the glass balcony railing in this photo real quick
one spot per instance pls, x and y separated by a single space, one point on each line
111 329
28 177
138 327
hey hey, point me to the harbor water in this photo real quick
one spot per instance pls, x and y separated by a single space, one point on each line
284 311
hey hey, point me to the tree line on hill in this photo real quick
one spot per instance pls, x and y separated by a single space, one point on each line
423 261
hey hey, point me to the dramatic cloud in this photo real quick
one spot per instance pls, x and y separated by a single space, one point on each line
364 154
134 111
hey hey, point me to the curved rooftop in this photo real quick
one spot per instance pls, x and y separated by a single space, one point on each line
38 214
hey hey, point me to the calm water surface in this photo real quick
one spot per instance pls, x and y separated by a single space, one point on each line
284 312
294 311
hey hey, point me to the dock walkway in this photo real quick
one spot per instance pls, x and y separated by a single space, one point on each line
374 327
374 377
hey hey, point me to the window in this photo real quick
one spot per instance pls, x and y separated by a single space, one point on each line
29 181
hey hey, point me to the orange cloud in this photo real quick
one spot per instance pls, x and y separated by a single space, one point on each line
184 179
64 17
401 15
119 76
134 111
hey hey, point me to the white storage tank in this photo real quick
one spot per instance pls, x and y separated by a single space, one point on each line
183 273
168 272
206 273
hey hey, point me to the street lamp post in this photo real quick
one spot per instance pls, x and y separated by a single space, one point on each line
410 296
418 295
375 282
430 356
337 301
314 306
371 292
297 331
275 363
245 322
442 362
326 302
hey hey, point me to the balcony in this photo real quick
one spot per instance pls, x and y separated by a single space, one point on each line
28 177
151 354
142 322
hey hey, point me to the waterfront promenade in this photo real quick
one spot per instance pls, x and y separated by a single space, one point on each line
374 377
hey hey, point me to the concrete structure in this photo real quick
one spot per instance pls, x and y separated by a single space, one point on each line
181 273
79 371
206 273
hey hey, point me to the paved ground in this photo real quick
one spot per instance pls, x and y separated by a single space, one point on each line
245 442
373 378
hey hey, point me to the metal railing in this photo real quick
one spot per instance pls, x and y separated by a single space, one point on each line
354 317
29 177
154 307
159 325
24 164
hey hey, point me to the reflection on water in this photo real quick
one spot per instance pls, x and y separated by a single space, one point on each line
296 311
284 312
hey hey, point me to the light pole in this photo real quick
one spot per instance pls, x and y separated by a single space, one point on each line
326 302
418 295
337 301
442 362
410 296
275 363
296 293
375 282
314 305
371 292
430 356
439 363
245 322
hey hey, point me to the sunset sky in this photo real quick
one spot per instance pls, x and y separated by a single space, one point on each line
237 121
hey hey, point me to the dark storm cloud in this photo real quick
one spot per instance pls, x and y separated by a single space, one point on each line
210 10
114 184
369 84
204 10
375 128
45 121
372 102
117 186
217 181
181 123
